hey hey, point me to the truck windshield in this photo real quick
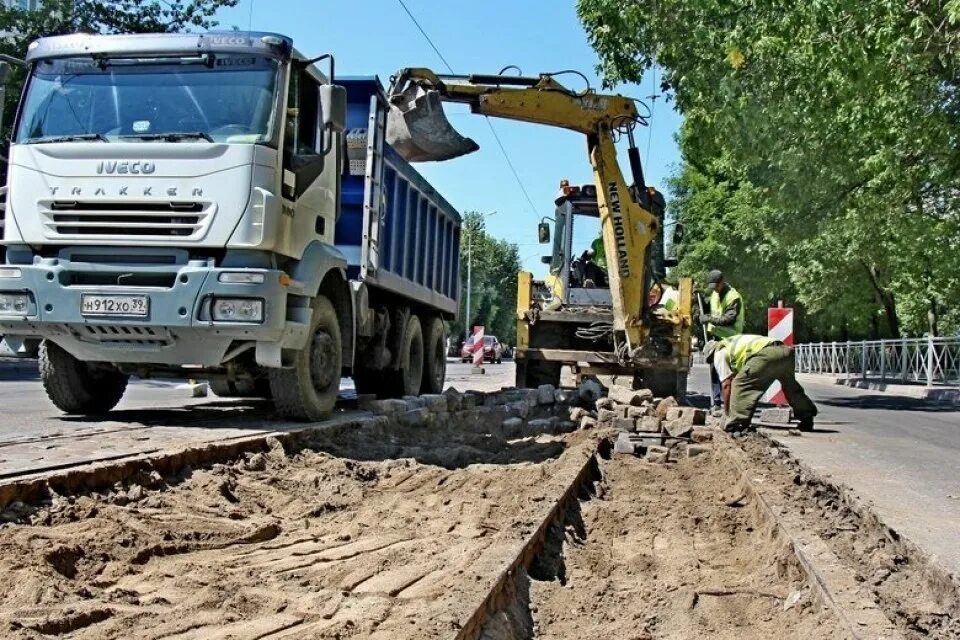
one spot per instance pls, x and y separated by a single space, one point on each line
229 98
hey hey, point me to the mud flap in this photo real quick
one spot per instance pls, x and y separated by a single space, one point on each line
419 130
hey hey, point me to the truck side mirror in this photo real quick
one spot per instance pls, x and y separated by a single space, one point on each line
333 113
543 232
546 259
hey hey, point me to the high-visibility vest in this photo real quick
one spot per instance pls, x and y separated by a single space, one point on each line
717 305
599 253
740 347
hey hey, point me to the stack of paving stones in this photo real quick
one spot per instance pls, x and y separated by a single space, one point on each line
509 413
658 429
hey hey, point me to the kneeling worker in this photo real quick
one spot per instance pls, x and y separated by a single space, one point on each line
747 365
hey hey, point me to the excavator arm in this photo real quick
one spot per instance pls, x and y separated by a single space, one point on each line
418 129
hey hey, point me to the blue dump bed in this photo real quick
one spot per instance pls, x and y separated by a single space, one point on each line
397 233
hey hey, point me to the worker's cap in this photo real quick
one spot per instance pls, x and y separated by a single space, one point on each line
714 277
709 349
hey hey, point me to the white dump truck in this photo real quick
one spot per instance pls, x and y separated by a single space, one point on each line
217 206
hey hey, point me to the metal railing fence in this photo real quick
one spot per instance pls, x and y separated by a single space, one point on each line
927 361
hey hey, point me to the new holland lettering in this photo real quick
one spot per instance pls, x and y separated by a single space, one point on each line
619 230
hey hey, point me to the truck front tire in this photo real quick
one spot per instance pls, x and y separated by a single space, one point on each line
79 387
435 358
308 389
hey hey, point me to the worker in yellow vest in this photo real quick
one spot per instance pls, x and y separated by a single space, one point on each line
725 319
599 253
747 365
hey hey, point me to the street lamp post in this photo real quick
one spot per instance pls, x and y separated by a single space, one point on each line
466 320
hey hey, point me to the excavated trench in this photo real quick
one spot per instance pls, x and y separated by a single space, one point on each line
685 550
410 525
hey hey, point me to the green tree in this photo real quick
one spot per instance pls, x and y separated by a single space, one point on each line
493 299
819 148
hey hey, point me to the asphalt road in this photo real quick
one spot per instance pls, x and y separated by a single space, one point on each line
153 415
899 454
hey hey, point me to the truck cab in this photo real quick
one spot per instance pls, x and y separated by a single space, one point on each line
173 210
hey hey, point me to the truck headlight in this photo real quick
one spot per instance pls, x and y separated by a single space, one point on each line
241 277
14 303
238 310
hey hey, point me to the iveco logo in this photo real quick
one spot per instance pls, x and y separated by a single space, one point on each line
122 168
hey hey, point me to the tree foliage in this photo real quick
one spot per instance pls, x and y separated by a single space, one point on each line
820 149
493 299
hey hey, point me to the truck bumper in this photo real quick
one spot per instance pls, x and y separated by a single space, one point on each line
178 328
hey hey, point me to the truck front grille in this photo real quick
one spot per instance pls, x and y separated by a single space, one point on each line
180 220
124 336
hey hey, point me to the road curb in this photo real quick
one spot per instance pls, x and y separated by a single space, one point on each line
86 476
945 395
505 581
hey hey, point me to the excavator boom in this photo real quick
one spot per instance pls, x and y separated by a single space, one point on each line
419 130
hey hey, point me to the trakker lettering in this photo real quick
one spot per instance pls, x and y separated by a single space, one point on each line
619 231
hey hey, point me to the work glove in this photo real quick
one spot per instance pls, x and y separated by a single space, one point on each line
706 318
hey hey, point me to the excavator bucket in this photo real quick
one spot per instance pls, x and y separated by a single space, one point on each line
419 130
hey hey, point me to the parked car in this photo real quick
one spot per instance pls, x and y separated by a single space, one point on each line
492 350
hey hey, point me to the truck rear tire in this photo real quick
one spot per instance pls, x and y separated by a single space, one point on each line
308 389
533 373
435 359
406 380
79 387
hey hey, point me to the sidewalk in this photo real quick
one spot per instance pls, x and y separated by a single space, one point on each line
938 393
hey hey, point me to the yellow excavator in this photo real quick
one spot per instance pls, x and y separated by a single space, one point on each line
633 334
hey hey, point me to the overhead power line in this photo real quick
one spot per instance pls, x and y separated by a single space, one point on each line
426 37
496 137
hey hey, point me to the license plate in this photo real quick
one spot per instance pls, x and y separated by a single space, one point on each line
114 305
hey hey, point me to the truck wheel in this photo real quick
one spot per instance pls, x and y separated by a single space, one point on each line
435 361
79 387
406 380
533 373
308 389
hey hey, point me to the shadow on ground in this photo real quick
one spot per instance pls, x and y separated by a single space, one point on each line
888 403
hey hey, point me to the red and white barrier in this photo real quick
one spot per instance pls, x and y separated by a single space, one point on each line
478 346
779 327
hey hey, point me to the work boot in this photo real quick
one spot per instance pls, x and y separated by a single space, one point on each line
735 426
806 424
716 411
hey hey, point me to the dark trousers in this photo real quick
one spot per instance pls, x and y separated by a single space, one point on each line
774 362
716 389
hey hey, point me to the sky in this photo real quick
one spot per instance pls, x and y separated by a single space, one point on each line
377 37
